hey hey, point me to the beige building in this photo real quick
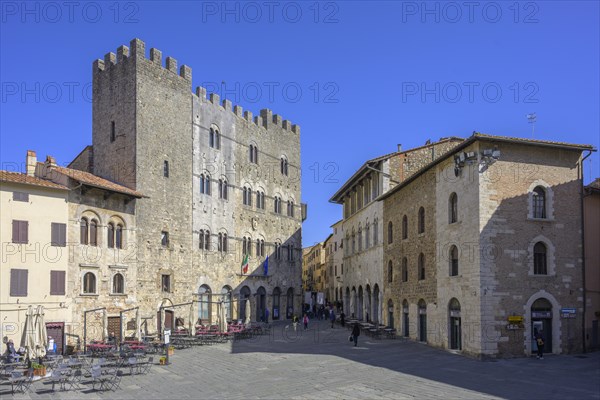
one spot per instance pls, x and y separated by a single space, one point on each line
591 218
34 267
362 224
484 248
313 268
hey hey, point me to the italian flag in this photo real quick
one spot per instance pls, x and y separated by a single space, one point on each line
245 264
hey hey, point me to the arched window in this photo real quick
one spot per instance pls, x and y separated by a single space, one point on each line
204 305
453 208
247 196
359 239
278 250
260 199
118 284
390 272
119 236
83 231
421 266
204 239
214 138
253 154
260 248
94 233
405 269
290 208
89 283
539 202
390 232
453 256
223 189
284 166
353 242
405 227
222 243
111 235
421 220
205 184
367 235
375 232
539 259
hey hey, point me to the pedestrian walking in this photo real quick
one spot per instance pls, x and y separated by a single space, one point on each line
355 334
295 322
305 321
540 345
331 317
266 315
343 319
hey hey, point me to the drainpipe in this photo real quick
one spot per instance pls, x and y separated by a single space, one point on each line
583 252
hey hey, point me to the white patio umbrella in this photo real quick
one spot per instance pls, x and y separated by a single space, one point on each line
28 337
191 324
123 326
222 318
248 311
138 325
40 332
352 304
105 326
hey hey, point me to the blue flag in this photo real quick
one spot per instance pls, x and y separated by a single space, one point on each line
266 265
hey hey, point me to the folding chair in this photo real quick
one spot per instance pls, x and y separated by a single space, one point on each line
57 378
20 382
133 365
72 381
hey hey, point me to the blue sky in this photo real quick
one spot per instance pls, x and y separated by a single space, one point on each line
358 77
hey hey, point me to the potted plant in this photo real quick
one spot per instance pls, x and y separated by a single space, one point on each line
38 369
162 360
171 350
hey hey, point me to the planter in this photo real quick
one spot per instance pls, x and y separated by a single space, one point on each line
39 371
162 360
171 351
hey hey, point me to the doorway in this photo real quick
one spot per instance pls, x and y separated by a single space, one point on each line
422 321
541 322
455 325
391 314
405 321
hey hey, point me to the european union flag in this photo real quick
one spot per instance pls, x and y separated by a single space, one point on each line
266 265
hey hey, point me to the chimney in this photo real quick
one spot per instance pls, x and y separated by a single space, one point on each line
50 161
30 162
399 147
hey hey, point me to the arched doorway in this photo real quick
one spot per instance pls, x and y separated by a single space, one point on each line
290 303
204 305
276 299
422 320
455 332
375 304
541 322
244 297
359 315
405 320
261 303
390 311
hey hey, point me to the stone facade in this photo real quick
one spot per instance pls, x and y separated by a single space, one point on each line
591 206
516 266
153 135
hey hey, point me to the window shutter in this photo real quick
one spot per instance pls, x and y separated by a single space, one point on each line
52 282
62 234
23 281
14 279
18 282
15 231
61 282
54 234
57 282
24 231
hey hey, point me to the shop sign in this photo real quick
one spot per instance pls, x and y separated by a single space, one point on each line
514 327
455 313
515 319
541 314
568 312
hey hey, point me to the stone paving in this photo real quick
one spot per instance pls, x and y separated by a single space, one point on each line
321 363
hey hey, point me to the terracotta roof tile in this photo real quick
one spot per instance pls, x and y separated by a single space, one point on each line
533 141
92 180
17 177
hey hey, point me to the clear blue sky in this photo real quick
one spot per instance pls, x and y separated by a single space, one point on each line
358 77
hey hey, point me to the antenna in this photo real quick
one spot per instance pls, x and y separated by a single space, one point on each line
532 118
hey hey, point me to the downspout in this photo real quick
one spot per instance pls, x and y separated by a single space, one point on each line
582 190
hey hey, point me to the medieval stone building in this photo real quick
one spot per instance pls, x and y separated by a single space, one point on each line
218 185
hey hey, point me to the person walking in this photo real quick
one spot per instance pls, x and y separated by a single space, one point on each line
266 315
343 319
305 321
540 345
295 322
332 317
355 334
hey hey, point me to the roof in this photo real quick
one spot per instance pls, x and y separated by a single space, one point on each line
485 137
17 177
95 181
367 163
594 186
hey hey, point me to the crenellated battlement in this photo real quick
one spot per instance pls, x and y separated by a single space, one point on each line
137 51
266 119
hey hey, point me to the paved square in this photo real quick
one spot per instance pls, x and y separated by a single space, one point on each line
321 363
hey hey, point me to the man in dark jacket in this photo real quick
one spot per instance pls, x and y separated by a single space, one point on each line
355 334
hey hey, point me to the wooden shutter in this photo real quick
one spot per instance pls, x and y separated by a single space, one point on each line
15 232
19 231
24 231
18 282
59 234
57 282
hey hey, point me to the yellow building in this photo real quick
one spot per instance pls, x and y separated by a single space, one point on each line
35 255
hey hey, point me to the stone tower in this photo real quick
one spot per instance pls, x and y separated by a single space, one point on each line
142 138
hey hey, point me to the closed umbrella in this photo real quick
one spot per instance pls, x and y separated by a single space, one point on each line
191 324
105 326
138 324
41 334
248 309
28 337
222 318
123 326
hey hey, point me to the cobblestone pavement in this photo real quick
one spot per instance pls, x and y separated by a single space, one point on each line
321 363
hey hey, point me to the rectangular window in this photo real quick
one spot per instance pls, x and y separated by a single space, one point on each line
113 133
166 283
20 231
166 169
57 282
58 234
164 238
20 196
18 282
